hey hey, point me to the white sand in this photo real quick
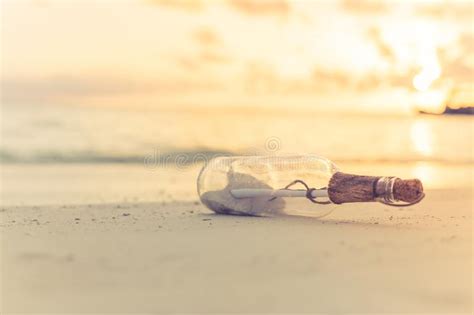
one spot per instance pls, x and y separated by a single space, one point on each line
223 202
173 255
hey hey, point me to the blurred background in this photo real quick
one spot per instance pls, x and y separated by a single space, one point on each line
376 86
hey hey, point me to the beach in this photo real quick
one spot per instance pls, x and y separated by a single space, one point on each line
110 109
100 214
144 243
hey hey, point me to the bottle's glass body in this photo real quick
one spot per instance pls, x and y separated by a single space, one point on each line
224 178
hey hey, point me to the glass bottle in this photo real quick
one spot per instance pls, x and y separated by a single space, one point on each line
293 185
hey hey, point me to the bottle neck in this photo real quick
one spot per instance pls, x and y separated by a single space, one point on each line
384 190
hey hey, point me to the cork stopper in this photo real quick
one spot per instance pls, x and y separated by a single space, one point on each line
407 190
344 188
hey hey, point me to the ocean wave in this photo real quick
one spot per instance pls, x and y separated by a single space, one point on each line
185 157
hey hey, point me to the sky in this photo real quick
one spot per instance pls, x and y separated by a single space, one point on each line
358 55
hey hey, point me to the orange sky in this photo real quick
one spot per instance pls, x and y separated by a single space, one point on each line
366 55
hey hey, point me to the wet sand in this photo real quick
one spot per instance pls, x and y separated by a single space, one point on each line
172 255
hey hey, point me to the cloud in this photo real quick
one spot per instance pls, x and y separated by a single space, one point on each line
466 41
448 9
262 78
261 7
31 89
459 66
364 6
69 89
458 70
187 5
383 48
201 60
336 79
331 78
41 3
187 63
207 37
209 51
213 57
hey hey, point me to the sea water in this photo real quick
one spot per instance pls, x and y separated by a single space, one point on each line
102 134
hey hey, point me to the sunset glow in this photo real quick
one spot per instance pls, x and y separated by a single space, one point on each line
430 69
428 75
231 53
422 138
431 101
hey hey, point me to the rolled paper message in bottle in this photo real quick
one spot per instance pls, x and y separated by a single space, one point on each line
294 185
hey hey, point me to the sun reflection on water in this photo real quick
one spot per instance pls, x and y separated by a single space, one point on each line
422 138
425 173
